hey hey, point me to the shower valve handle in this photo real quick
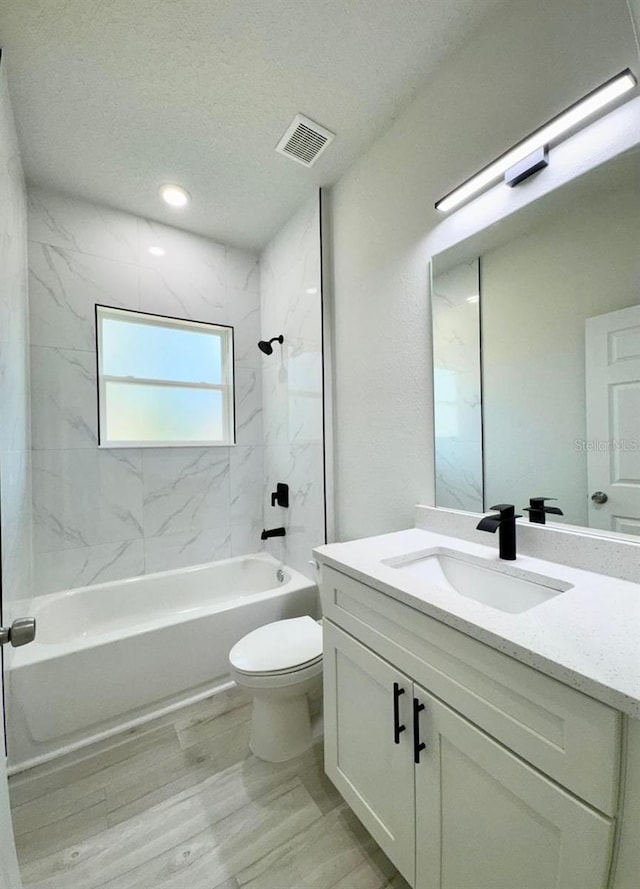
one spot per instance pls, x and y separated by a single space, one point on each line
280 496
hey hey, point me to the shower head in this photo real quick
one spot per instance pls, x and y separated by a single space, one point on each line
265 345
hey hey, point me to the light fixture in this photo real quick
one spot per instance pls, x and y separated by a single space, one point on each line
174 195
311 290
157 251
548 134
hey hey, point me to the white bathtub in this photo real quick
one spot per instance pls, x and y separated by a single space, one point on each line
112 655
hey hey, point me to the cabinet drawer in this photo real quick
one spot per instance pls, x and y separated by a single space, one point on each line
567 735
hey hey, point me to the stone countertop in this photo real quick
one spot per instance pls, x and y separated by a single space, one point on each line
587 637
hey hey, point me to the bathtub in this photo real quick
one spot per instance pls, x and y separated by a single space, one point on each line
110 656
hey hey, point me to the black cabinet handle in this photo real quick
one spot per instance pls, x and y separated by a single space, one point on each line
418 745
397 728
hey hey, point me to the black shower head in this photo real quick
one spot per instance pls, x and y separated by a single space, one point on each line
265 345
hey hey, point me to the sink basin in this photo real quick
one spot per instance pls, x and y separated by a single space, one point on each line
501 587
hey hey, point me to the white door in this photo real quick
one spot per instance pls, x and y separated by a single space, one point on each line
487 820
613 420
9 876
367 701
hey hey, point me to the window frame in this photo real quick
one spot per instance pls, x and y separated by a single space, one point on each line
227 387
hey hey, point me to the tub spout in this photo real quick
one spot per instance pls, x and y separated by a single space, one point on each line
274 532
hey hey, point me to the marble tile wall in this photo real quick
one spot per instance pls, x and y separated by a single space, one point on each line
15 456
103 514
291 301
457 387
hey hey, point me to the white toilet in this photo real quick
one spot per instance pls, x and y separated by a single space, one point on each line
280 664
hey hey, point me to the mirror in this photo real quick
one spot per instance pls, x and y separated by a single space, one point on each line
536 344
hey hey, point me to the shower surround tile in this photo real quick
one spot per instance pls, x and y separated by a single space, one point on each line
246 480
62 221
243 312
184 489
63 397
188 281
86 497
291 305
189 548
249 395
71 568
243 270
246 538
104 514
64 287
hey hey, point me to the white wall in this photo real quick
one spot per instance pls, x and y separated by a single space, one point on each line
537 292
521 68
291 300
102 514
15 480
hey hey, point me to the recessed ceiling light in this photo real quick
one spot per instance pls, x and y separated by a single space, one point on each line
174 195
157 251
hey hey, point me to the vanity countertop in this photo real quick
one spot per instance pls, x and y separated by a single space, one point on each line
588 637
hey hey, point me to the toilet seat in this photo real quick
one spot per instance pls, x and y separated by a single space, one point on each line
279 648
285 672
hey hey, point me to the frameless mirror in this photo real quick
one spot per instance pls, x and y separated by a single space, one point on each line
536 344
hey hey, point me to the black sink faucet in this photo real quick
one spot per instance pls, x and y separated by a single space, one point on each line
505 523
538 512
274 532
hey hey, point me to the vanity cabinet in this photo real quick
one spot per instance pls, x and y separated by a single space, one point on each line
436 741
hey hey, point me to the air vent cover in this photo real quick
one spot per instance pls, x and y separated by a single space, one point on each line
304 141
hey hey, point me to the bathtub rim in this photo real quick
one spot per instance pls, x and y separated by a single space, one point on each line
41 652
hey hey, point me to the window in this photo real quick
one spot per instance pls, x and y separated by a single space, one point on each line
163 381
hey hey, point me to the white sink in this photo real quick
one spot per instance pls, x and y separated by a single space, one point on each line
499 586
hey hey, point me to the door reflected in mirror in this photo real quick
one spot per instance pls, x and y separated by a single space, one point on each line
536 327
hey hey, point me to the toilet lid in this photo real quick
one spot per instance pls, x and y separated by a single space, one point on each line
282 645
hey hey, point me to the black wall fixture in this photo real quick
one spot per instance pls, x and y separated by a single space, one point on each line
273 532
280 496
266 347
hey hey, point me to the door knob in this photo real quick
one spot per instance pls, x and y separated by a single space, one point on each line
599 497
21 632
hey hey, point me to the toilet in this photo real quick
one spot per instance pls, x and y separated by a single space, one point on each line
280 664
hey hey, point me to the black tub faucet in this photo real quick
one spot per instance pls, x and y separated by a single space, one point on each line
274 532
505 523
538 512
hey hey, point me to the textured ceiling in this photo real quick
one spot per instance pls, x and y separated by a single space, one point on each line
115 97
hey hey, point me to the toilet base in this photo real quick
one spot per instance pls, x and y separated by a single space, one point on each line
280 729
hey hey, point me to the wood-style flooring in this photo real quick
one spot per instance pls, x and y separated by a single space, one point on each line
181 803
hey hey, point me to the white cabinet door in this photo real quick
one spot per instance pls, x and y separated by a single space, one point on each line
372 772
486 820
613 419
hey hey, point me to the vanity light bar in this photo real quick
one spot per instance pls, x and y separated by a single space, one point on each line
548 133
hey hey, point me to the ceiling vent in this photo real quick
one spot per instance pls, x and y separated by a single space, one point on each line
304 141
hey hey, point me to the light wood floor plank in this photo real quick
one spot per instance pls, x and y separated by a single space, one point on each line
316 858
181 803
375 872
53 838
64 773
205 730
235 842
